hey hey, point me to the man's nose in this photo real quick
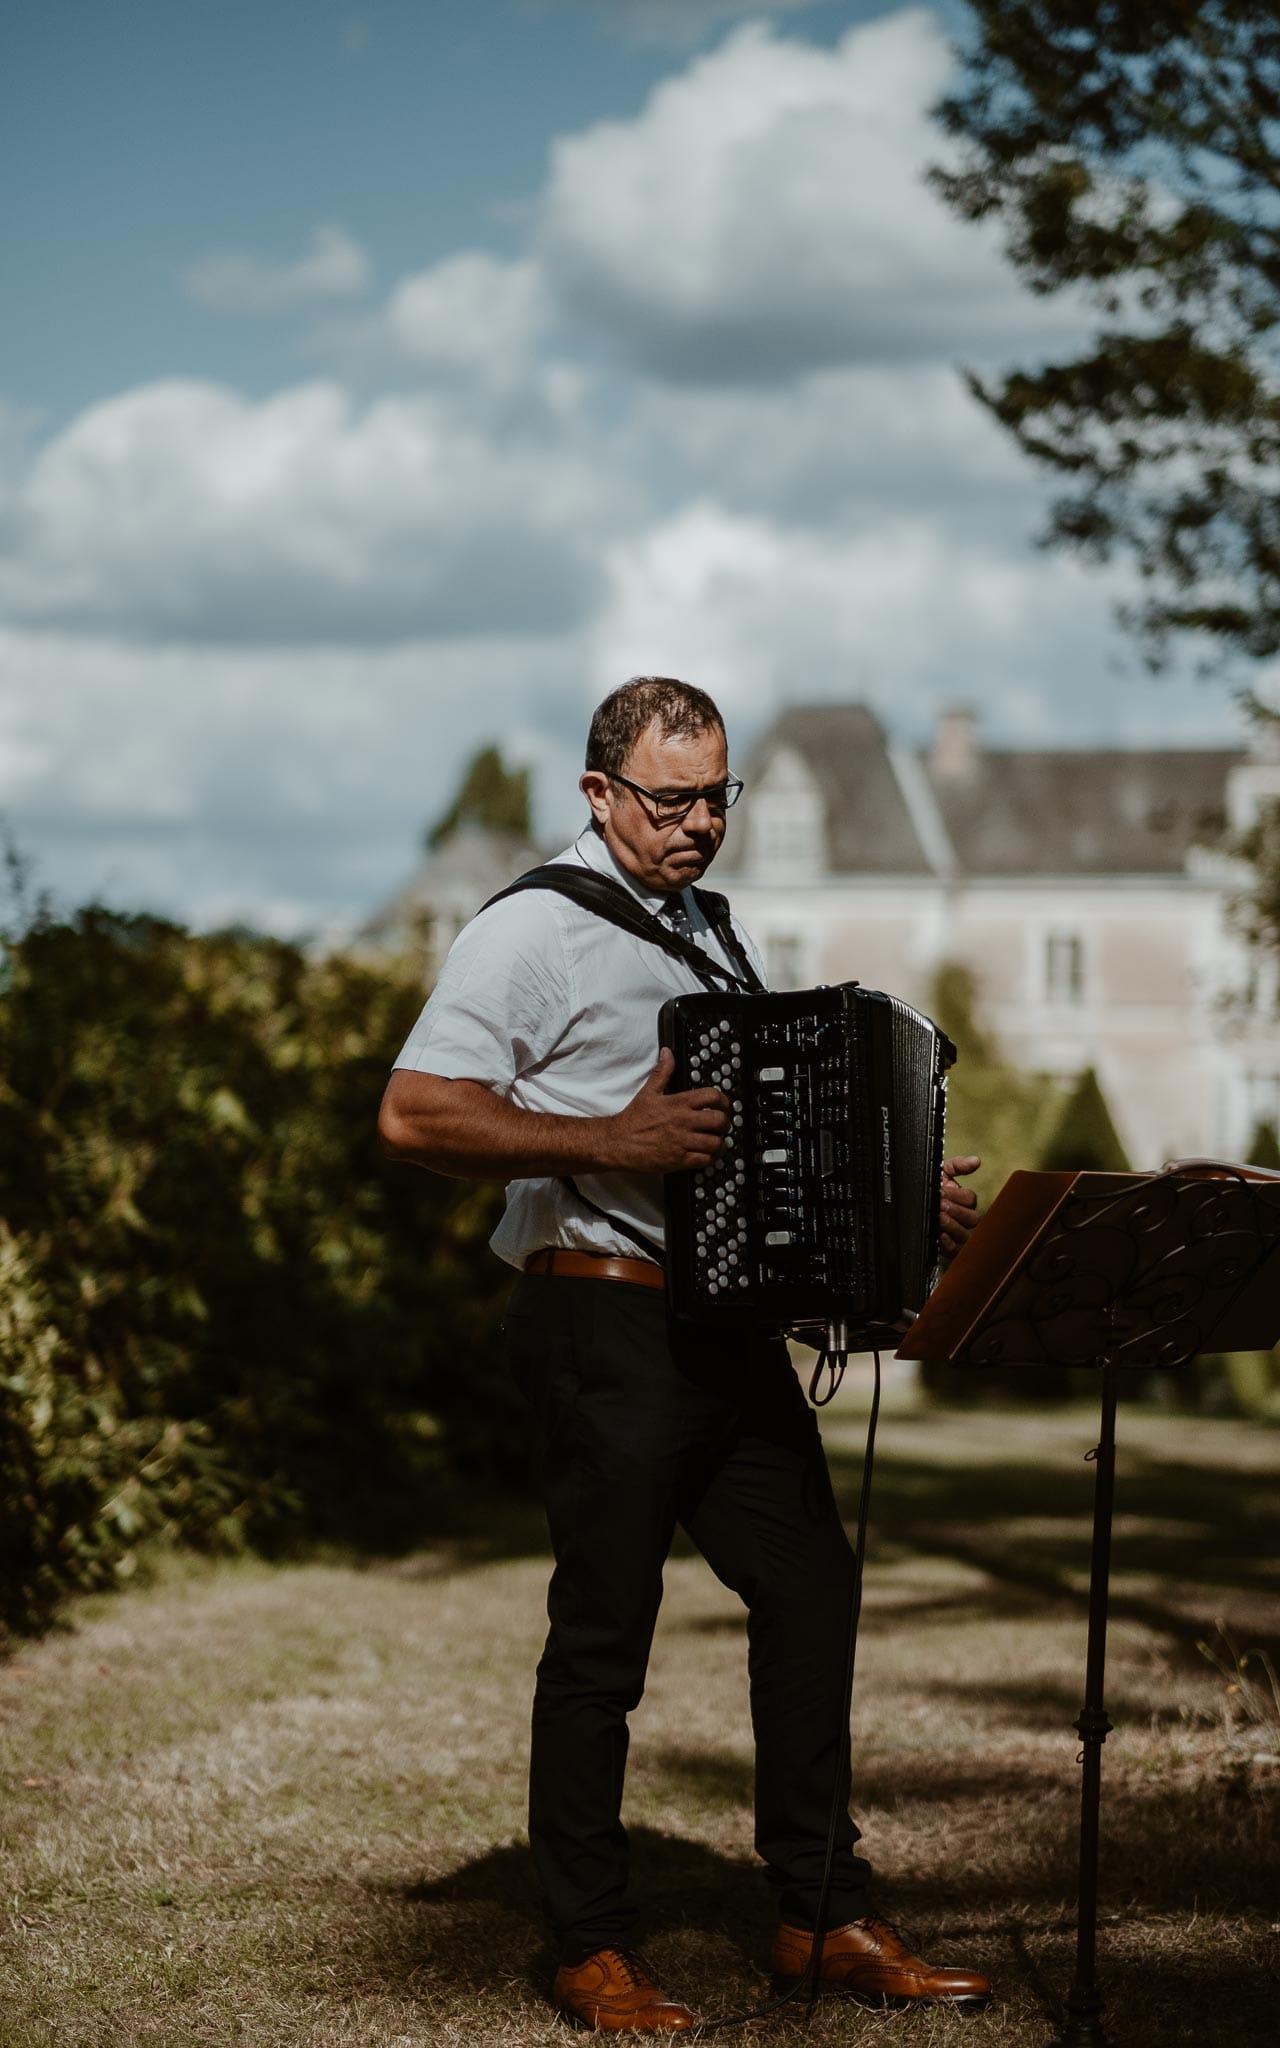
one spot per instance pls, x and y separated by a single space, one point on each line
702 818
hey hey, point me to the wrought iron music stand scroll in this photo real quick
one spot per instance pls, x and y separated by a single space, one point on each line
1119 1271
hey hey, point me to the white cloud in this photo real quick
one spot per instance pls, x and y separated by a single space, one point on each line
839 446
472 322
183 509
680 24
766 213
333 266
253 641
287 785
907 614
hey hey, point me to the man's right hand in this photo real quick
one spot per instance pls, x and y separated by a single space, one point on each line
661 1133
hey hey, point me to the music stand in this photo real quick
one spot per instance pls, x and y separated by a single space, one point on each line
1115 1270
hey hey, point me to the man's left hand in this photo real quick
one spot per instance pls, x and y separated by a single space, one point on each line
959 1210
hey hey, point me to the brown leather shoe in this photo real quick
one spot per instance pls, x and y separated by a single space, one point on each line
613 1989
869 1959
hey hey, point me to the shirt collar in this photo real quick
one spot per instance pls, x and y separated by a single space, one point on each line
593 848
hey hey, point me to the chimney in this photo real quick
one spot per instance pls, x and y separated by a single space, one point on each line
956 755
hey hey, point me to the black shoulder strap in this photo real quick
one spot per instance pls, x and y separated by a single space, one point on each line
715 908
608 899
638 1238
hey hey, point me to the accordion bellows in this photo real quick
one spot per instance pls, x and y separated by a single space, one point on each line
824 1203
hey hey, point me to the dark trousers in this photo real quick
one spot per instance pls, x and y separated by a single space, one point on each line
637 1431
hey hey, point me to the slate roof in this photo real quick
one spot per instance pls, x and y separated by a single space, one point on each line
1058 811
1094 811
869 827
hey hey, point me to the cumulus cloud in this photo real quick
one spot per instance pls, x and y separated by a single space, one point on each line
333 266
680 24
842 446
287 785
472 322
708 423
906 614
183 509
766 213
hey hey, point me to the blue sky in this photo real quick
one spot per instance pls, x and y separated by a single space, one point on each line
140 134
380 380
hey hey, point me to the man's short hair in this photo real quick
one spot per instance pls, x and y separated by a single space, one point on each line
679 709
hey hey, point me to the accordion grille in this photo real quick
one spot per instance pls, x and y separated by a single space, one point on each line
919 1088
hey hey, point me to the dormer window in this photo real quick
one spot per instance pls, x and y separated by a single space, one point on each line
786 835
786 823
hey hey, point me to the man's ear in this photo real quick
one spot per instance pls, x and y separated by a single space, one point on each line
595 787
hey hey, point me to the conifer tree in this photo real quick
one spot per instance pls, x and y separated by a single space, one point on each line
489 794
1083 1137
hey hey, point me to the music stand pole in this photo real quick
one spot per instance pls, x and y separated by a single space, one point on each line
1084 2004
1116 1270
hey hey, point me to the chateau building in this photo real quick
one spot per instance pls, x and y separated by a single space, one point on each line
1077 886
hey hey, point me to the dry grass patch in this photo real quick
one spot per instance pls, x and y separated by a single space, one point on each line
285 1807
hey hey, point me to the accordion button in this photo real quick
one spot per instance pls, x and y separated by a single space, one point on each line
777 1237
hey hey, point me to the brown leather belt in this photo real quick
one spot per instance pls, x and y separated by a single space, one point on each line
567 1265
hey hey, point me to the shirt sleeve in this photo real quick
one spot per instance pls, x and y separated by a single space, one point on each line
503 999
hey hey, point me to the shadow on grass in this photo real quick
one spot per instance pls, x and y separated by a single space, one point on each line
1204 1529
709 1916
1209 1847
483 1920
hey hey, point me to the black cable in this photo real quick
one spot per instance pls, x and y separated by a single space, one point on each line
833 1364
839 1797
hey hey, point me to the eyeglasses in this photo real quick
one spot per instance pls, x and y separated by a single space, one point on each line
670 805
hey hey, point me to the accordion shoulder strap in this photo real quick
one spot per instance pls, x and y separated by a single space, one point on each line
608 899
715 908
645 1244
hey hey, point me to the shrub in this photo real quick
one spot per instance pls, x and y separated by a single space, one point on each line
224 1315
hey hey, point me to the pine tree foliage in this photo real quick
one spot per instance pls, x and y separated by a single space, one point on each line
994 1110
1130 150
1083 1137
490 794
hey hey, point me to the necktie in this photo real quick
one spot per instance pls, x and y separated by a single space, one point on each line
677 917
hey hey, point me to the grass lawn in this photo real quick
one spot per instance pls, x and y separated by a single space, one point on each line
285 1806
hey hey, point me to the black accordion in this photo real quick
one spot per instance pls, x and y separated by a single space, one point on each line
822 1207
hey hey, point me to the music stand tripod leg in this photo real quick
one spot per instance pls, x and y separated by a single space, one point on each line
1084 2005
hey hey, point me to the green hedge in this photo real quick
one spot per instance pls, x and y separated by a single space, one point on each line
224 1317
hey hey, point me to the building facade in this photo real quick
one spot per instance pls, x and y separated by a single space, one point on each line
1078 887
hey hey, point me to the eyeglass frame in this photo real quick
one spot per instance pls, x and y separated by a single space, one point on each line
731 783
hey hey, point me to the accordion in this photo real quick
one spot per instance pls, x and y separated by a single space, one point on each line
822 1207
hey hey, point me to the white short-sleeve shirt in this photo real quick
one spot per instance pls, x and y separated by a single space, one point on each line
556 1009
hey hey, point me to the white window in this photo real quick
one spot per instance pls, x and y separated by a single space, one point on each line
1063 967
782 960
786 832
